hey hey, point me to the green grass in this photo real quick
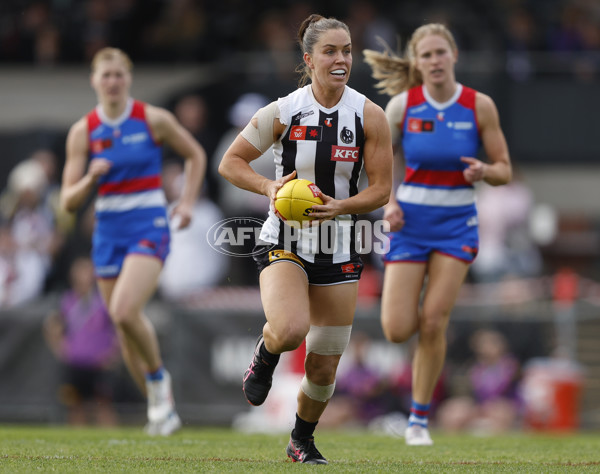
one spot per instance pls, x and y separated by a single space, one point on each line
62 449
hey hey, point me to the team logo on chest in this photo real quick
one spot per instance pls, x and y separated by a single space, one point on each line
346 135
101 144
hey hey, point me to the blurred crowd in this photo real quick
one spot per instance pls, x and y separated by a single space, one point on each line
48 32
41 246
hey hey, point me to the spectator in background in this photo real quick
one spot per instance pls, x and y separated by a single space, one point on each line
64 222
237 202
362 393
370 25
82 337
492 404
192 265
277 62
521 40
22 270
34 238
506 246
193 113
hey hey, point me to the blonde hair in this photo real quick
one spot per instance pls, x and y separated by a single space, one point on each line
309 33
109 54
397 73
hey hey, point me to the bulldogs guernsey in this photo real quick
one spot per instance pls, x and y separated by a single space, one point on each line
438 203
324 146
131 204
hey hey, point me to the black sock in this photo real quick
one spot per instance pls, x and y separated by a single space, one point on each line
265 355
303 429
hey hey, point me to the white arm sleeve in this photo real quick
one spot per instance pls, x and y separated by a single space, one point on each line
261 136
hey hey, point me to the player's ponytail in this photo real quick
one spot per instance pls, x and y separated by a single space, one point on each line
394 72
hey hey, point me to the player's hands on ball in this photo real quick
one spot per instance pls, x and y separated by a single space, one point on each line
274 186
475 171
328 210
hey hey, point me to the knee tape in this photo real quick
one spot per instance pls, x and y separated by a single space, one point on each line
328 340
320 393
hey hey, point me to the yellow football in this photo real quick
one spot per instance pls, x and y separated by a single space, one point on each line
295 199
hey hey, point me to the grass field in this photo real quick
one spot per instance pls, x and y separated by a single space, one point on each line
26 449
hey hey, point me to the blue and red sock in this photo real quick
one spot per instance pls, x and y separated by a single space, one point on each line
419 414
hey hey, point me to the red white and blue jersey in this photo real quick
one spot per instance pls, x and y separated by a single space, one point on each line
131 192
434 137
131 207
438 203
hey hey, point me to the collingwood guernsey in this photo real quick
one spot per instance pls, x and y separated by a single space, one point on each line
324 146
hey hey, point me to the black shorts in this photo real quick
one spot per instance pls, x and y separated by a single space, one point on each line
317 273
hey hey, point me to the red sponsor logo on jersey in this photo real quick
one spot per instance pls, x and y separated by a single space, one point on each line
417 125
428 125
305 132
328 122
349 268
414 125
315 189
101 144
345 153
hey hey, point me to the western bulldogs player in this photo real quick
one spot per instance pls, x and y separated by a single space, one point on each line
116 148
441 125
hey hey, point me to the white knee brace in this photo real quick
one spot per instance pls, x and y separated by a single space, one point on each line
328 340
320 393
324 340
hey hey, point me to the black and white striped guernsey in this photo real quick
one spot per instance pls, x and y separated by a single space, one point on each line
326 147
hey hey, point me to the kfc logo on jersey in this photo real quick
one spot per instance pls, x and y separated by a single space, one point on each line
345 153
101 144
304 132
417 125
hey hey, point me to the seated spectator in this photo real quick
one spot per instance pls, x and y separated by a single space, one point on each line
361 392
83 338
192 265
492 404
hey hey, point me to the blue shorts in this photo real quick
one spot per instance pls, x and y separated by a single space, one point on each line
108 254
449 231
